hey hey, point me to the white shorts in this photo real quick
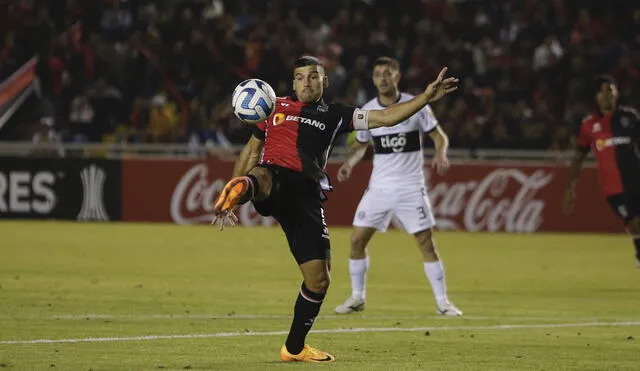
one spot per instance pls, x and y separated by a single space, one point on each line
410 206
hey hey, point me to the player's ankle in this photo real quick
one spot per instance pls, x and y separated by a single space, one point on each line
441 300
251 190
254 186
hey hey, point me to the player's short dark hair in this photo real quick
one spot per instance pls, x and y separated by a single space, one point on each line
307 60
387 61
598 81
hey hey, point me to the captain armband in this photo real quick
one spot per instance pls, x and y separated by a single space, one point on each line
360 119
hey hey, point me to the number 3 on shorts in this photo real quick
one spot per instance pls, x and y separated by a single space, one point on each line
423 214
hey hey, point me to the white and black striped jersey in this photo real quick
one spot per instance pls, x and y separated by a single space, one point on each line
398 159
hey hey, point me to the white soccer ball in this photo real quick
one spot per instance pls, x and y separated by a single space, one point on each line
253 101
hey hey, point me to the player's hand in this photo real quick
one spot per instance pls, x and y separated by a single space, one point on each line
568 202
344 172
441 163
441 86
225 217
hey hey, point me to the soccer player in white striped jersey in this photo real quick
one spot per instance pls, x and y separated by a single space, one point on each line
396 186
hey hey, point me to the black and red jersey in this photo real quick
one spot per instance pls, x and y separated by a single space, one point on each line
615 140
299 136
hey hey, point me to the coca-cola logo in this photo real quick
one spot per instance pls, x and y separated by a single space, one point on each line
194 197
504 200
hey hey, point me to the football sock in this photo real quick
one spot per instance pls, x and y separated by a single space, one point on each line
358 271
304 314
435 274
254 188
636 242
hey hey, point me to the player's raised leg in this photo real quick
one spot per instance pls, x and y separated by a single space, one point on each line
358 266
312 293
434 270
255 185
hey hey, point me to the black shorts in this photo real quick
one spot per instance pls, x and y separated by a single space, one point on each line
625 205
295 202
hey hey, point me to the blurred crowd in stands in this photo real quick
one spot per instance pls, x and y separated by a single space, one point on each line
163 70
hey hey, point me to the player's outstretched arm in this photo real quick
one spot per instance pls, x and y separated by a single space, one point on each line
357 151
399 112
574 172
249 157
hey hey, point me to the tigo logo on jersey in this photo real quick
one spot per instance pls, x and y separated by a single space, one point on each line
278 119
396 143
307 121
615 141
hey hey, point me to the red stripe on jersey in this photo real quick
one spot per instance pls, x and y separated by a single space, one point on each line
596 131
281 138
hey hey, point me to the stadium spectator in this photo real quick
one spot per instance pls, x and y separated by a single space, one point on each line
513 56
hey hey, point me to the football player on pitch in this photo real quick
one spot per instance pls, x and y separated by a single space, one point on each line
396 187
612 132
281 170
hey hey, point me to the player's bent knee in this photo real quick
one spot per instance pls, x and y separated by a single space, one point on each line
320 285
358 242
425 237
360 238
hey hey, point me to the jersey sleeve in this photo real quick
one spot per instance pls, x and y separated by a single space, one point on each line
259 130
428 120
363 136
583 142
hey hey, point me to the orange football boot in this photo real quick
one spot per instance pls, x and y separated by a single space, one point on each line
232 194
308 354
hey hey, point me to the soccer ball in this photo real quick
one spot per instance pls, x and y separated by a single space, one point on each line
253 101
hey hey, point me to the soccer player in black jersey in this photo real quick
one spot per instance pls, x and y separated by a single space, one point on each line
281 170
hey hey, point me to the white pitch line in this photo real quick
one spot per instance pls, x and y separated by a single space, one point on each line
277 316
264 316
328 331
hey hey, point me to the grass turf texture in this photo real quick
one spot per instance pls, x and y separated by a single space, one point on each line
542 301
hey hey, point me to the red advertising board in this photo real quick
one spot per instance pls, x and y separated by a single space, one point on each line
475 197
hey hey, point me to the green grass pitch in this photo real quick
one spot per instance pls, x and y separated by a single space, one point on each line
145 297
